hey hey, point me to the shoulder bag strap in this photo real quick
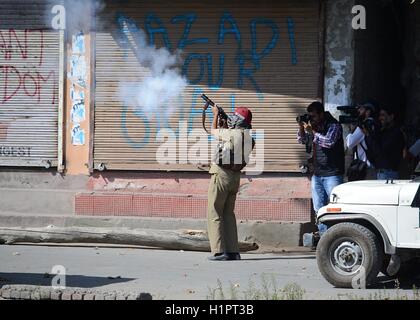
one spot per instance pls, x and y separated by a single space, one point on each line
361 144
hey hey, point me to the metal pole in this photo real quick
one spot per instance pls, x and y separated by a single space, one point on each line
61 165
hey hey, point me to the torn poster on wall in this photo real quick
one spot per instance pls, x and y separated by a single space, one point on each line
78 43
78 70
77 136
78 77
78 113
78 110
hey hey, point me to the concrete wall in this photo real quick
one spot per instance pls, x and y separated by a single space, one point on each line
339 55
267 186
271 197
41 192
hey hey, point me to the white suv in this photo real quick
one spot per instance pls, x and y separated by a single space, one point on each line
373 226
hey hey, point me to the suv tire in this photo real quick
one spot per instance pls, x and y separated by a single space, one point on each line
349 255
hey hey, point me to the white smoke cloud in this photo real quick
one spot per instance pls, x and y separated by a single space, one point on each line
164 83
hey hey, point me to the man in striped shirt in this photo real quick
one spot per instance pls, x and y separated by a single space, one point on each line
326 134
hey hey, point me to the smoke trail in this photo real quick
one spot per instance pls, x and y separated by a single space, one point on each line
163 82
155 94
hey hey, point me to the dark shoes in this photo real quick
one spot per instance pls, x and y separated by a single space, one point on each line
225 257
234 256
310 240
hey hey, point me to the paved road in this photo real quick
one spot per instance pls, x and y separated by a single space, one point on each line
169 274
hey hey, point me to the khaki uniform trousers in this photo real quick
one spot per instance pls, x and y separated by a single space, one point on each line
222 228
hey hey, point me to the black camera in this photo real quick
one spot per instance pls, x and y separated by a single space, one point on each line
303 118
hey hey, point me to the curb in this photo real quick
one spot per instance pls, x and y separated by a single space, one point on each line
19 292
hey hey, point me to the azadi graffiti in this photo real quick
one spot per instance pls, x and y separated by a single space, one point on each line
248 60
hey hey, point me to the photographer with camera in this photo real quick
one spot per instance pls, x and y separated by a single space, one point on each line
361 168
385 147
326 135
229 159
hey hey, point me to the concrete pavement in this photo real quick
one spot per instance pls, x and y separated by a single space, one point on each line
172 274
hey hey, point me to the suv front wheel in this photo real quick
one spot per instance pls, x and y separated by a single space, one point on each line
349 255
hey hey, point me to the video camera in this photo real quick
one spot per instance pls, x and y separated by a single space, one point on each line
352 117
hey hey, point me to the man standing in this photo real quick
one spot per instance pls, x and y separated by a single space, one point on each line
230 158
328 154
385 148
356 139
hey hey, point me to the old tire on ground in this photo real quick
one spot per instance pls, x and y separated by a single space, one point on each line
349 255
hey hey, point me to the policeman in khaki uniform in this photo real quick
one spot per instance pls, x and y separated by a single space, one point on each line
230 157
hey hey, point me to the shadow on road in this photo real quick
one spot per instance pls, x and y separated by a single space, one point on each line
77 281
280 258
404 283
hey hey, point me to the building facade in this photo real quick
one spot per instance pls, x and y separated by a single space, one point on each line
70 103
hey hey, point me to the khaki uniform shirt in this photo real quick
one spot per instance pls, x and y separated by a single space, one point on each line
229 138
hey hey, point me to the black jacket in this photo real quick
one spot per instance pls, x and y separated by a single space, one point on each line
329 161
385 149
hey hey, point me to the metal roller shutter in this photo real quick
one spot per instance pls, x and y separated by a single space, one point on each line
277 85
29 88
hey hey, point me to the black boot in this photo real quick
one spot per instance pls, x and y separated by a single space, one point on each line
233 256
225 256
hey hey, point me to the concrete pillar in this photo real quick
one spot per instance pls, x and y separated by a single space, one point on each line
339 55
78 142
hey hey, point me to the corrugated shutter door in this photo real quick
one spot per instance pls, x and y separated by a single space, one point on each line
277 85
29 66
